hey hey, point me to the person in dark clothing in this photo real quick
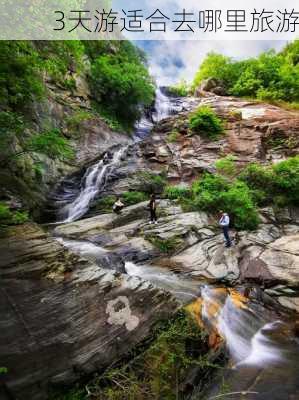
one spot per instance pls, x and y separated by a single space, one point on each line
153 207
224 223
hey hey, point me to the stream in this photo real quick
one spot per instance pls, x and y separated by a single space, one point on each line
262 346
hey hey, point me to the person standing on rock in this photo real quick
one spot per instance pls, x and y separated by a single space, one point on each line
224 223
153 208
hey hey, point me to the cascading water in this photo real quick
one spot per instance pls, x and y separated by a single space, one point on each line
183 289
263 350
165 106
244 327
93 181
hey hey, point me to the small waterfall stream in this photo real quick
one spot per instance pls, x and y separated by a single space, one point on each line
96 176
262 347
93 181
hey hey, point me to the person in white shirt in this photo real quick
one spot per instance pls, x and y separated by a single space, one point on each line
118 206
224 223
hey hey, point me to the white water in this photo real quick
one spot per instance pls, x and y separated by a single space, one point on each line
183 289
246 332
165 106
93 181
96 176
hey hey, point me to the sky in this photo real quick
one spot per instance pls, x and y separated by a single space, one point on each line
171 61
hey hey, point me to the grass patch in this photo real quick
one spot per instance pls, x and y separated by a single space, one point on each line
176 192
131 198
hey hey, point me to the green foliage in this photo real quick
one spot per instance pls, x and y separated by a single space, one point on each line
286 180
176 192
105 204
278 184
150 183
58 57
20 74
181 89
121 84
272 76
130 198
51 143
216 66
8 217
173 136
213 193
3 370
159 371
73 122
167 246
205 122
11 128
226 166
74 394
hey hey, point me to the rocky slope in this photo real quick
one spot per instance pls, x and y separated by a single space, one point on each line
63 316
88 292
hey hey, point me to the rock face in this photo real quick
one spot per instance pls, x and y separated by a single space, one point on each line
254 133
63 316
196 247
67 306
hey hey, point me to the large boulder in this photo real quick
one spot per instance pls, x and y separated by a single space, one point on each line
60 322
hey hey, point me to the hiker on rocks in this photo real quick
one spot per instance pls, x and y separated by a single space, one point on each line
153 207
118 206
224 223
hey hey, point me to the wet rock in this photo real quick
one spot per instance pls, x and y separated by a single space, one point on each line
58 324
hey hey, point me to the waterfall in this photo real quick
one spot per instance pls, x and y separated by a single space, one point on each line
93 181
95 178
165 106
247 331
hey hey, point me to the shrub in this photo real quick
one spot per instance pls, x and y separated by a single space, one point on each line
205 122
176 192
167 246
226 166
51 143
286 179
20 74
260 180
150 183
8 217
238 202
212 193
131 198
278 184
105 204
